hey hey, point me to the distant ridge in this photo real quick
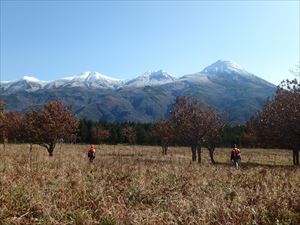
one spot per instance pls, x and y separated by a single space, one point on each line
223 84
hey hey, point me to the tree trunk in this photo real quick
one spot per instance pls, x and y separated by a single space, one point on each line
194 153
164 149
211 154
4 140
296 157
199 153
51 149
30 147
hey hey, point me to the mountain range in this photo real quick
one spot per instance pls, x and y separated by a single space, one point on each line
224 85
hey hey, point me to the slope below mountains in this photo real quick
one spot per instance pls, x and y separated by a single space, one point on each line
224 85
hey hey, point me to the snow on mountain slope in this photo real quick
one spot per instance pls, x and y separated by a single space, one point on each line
229 70
5 84
26 83
87 80
224 85
220 72
195 77
227 66
151 78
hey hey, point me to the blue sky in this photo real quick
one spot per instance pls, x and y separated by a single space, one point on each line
123 39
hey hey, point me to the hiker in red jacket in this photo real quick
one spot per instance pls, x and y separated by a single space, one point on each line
92 153
235 156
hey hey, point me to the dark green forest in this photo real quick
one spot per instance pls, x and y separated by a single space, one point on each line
230 134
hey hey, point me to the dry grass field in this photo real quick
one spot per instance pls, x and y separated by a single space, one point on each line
137 185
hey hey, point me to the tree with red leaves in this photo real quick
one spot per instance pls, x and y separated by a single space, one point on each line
100 134
164 131
49 125
129 134
14 122
3 123
194 122
277 124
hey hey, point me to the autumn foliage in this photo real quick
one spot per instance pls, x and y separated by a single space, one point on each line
45 127
99 134
278 123
164 131
128 134
3 123
194 123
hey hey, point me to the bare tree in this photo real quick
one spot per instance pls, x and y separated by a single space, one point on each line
164 131
193 122
277 124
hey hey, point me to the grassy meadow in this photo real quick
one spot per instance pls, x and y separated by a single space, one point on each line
137 185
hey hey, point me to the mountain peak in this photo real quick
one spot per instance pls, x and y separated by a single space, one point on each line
87 80
222 66
151 78
30 79
91 75
27 83
159 74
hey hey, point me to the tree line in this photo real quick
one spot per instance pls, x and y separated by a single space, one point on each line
30 126
103 132
189 123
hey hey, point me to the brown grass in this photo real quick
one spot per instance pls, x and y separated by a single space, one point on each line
137 185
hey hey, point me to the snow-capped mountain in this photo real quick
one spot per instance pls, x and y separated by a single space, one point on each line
226 66
220 71
229 71
151 78
5 84
86 80
224 85
26 83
